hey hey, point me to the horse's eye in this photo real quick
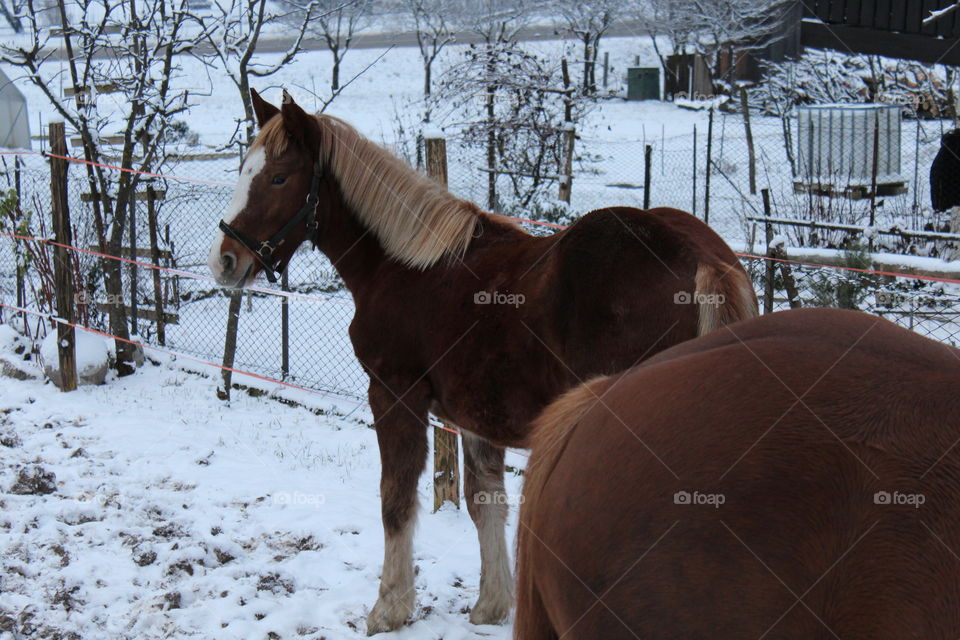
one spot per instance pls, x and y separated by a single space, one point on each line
279 179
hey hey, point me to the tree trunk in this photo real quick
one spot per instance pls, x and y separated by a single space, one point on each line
335 78
427 69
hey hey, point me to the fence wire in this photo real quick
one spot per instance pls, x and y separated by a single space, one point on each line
320 354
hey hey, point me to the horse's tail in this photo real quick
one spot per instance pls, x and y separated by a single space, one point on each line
724 295
549 435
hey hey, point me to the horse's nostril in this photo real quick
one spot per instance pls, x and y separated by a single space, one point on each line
228 261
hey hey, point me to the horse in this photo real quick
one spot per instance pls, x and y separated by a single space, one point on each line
790 476
463 314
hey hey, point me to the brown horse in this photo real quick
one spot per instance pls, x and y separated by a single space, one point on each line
792 476
461 313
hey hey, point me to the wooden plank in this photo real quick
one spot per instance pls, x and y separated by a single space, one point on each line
835 14
140 196
851 228
881 14
147 313
108 87
913 16
852 14
141 252
77 141
908 46
868 14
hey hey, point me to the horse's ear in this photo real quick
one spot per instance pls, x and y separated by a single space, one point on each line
296 121
263 109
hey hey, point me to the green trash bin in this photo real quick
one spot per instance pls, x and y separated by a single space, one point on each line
643 83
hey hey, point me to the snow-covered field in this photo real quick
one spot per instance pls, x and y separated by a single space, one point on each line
149 509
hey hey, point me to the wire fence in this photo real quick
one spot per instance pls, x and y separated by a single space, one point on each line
319 353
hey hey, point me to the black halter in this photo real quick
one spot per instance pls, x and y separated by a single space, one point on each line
264 251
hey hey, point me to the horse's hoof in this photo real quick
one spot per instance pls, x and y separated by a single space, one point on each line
491 610
387 616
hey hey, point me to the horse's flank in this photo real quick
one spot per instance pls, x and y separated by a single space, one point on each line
417 221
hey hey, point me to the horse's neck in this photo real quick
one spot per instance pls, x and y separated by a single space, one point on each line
356 254
352 249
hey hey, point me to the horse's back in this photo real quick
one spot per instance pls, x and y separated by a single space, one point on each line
636 276
727 477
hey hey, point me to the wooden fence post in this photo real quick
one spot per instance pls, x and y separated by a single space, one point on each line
569 135
446 448
284 327
694 206
647 161
751 153
768 287
155 257
230 342
134 312
706 187
63 273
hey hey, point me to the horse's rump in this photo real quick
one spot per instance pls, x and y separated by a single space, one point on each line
700 498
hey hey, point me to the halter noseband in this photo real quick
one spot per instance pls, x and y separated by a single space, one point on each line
264 251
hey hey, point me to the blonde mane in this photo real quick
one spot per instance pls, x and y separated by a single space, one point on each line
417 221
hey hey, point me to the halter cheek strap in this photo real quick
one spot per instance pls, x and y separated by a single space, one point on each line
264 251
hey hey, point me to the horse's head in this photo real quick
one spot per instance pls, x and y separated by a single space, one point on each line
274 206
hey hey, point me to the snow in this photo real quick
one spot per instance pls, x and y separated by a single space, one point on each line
91 349
177 516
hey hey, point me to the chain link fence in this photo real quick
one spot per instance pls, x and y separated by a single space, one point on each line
320 355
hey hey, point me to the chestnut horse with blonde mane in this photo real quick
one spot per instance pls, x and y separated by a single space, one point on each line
461 313
792 476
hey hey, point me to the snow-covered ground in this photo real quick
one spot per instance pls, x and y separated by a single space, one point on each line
149 509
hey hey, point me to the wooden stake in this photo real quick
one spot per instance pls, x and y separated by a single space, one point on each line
66 340
706 198
768 276
446 447
155 257
647 161
751 153
230 342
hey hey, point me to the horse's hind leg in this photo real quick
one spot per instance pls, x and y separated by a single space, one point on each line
402 436
486 502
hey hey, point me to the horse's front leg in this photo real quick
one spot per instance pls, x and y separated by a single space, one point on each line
402 436
487 504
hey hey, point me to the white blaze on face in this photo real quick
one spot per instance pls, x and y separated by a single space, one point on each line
252 165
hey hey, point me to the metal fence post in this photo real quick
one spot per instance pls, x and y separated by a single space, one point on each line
284 327
706 187
446 452
63 273
768 288
647 161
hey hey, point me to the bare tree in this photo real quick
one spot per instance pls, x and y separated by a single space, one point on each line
517 105
434 22
588 22
10 9
135 49
234 31
337 23
704 26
